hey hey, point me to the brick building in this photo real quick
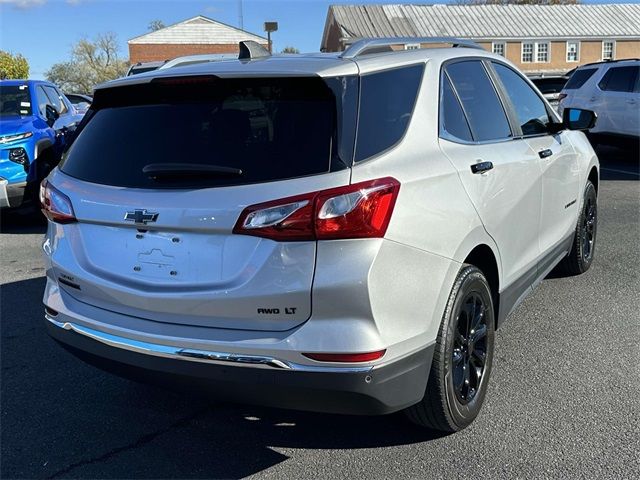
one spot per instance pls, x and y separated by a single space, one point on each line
196 35
537 38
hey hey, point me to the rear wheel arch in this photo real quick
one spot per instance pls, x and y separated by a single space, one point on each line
594 177
483 258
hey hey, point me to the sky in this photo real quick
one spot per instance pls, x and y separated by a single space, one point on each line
45 30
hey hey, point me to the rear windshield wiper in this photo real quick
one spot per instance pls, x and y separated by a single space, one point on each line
163 171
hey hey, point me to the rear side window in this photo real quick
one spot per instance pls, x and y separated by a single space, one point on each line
480 101
268 128
619 79
579 78
452 116
386 105
529 108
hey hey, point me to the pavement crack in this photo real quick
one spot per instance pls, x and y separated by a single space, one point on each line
143 440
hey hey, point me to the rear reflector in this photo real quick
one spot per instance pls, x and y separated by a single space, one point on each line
361 210
55 205
346 357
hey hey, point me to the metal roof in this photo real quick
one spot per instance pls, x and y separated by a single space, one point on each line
197 30
486 21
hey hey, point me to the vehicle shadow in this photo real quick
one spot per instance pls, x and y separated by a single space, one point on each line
22 222
64 419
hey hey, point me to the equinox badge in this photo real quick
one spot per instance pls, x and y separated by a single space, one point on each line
141 216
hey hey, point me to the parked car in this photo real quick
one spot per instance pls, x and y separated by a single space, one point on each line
80 101
352 251
612 90
194 59
550 87
143 67
35 121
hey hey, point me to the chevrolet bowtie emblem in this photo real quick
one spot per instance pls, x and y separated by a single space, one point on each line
141 216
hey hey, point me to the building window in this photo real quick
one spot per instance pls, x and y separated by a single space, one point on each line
412 46
573 51
535 52
542 52
498 48
608 50
527 52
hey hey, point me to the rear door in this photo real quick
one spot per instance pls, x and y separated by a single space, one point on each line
619 101
158 242
552 152
501 179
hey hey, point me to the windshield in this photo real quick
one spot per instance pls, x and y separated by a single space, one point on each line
15 100
269 128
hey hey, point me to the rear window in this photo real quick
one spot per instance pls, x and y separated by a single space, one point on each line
579 77
268 128
549 85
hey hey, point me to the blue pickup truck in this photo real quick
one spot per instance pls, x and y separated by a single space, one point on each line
36 122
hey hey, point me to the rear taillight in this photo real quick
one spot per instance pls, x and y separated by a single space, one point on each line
561 96
361 210
55 205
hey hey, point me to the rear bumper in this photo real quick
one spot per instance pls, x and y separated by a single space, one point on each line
257 380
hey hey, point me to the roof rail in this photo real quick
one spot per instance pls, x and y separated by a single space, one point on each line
611 61
250 50
361 46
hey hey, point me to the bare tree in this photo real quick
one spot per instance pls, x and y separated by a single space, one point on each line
156 25
92 62
290 50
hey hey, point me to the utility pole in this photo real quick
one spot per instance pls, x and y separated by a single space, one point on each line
240 14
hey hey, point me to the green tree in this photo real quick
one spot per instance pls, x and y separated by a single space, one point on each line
290 50
156 25
13 66
91 63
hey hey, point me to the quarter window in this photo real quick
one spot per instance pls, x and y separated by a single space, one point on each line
480 101
608 48
386 105
454 121
573 51
498 48
529 108
619 79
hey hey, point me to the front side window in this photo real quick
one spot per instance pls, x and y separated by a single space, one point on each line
498 48
15 100
262 129
43 101
529 107
480 101
386 105
573 51
55 99
608 47
619 79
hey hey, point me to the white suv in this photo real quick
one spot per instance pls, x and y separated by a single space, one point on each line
612 90
332 232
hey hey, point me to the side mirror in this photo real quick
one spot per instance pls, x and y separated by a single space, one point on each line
52 115
578 119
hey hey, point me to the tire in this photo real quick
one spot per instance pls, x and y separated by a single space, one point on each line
449 403
583 248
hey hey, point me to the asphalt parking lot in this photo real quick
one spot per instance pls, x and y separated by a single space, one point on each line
563 400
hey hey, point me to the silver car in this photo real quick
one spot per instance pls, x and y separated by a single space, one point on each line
330 232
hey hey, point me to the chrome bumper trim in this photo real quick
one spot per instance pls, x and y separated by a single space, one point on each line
195 355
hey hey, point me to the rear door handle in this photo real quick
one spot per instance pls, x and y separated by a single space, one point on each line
481 167
545 153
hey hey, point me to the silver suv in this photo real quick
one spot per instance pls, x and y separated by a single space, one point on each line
330 232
